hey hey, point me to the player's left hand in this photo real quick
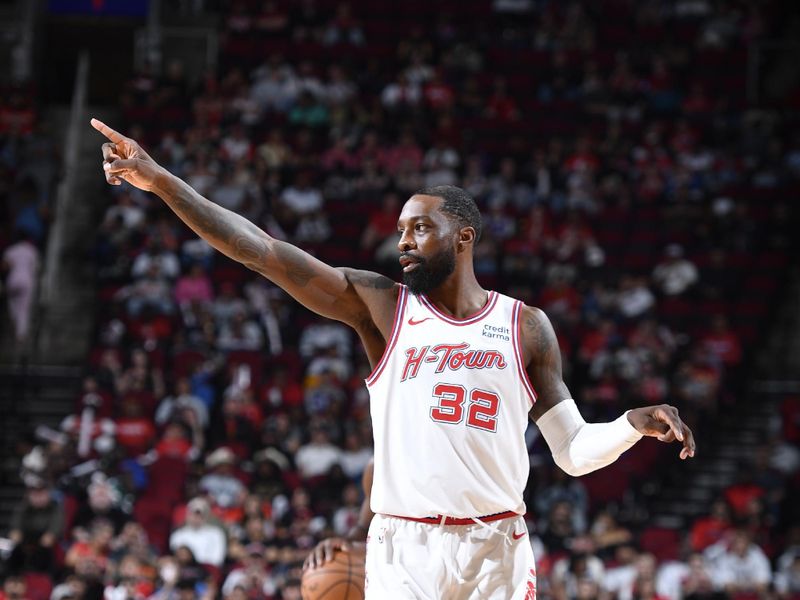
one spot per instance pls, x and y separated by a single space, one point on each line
663 423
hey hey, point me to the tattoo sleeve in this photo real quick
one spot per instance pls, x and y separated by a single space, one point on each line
231 234
321 288
544 361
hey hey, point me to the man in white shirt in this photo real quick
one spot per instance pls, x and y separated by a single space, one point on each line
205 540
742 567
318 456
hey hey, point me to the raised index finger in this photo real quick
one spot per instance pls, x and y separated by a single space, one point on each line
114 136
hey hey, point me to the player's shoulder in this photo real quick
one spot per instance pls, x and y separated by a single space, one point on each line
532 315
535 326
370 280
379 295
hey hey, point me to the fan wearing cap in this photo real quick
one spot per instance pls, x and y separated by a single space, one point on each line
224 488
206 540
268 477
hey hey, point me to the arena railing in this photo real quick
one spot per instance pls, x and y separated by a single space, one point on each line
66 191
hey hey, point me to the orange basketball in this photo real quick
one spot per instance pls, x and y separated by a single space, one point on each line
339 579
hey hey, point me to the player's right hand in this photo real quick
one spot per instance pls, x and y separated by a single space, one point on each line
323 552
124 159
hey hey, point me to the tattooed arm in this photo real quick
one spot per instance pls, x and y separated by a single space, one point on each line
579 447
359 298
542 357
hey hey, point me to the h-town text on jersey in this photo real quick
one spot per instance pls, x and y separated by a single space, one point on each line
451 357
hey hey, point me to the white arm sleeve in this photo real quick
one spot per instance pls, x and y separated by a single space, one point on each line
579 447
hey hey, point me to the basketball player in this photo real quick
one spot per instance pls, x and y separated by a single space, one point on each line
458 370
355 541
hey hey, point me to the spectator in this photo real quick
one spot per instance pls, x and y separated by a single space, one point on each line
500 105
301 198
309 111
21 262
787 574
205 540
634 299
608 534
36 525
220 483
252 575
722 343
740 566
183 399
401 95
565 489
675 275
240 333
579 566
14 588
695 580
316 458
356 455
156 261
380 229
558 530
150 292
194 287
102 502
343 28
622 581
92 545
274 86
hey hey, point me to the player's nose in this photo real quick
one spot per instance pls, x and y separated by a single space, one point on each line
406 242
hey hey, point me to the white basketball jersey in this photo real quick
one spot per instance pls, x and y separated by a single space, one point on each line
449 402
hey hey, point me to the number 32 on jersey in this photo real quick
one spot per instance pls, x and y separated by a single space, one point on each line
482 408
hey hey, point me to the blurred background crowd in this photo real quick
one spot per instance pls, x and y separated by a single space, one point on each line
627 189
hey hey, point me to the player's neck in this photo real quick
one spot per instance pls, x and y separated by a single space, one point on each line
460 296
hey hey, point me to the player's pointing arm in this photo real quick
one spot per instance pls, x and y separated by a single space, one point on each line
579 447
342 294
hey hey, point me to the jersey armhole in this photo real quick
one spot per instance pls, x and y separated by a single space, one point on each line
396 326
516 335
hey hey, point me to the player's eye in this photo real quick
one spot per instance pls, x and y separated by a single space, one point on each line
420 227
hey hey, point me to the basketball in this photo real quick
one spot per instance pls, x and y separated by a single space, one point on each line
339 579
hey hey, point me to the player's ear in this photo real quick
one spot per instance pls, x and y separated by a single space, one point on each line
466 238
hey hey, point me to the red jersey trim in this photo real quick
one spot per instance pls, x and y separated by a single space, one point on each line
516 332
482 313
396 325
458 520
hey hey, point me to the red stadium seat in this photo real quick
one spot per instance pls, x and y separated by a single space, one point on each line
38 585
661 542
154 515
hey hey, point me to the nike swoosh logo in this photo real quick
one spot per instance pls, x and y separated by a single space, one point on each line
517 536
411 320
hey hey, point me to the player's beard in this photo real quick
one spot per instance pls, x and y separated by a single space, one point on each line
431 272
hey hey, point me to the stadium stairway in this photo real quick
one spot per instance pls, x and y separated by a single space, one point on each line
741 428
40 387
67 317
782 353
30 396
691 486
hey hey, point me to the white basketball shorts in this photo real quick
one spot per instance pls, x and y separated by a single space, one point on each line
408 560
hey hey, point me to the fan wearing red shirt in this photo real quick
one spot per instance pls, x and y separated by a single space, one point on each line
710 529
722 343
